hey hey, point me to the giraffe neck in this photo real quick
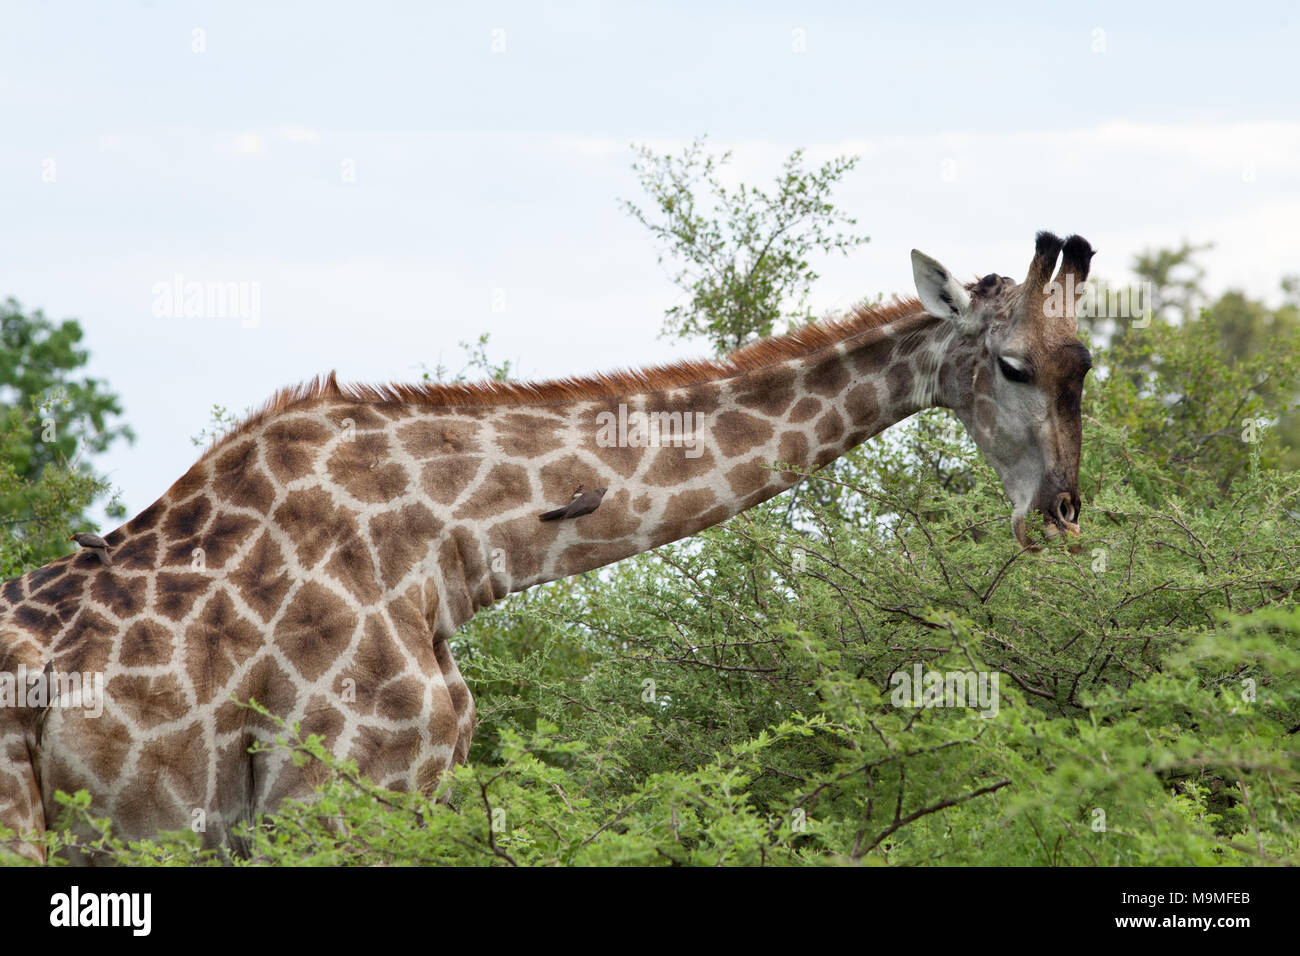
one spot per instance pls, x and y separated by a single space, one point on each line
439 504
679 460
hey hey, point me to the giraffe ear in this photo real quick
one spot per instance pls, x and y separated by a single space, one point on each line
941 294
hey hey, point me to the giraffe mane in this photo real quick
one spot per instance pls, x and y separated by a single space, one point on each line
682 374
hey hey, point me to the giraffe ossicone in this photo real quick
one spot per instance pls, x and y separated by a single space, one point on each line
319 558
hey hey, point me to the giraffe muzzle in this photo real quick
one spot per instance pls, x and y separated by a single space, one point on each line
1060 518
1063 519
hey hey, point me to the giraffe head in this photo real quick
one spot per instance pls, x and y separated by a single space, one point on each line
1014 374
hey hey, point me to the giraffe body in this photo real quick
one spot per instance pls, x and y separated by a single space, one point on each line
321 558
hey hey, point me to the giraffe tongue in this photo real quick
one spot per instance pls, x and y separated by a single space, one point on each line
1071 530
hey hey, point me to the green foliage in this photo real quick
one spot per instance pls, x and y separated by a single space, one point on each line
221 421
51 422
1175 393
744 253
477 365
41 511
1175 278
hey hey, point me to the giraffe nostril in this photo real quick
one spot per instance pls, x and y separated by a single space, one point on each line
1065 509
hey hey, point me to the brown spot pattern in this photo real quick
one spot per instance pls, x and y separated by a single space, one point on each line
145 644
445 479
527 436
218 641
505 487
314 629
427 439
402 538
735 433
362 467
263 577
241 481
828 377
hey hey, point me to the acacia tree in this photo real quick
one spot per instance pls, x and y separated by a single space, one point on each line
743 254
53 421
1175 277
1247 349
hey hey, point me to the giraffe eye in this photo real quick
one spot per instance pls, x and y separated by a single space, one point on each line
1014 372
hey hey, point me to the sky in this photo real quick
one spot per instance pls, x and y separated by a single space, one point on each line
382 181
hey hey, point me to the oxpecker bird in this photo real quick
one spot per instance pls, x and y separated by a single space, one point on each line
93 543
583 503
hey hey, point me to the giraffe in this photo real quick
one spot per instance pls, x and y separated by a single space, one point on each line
321 556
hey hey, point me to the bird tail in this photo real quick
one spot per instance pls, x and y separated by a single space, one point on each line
555 515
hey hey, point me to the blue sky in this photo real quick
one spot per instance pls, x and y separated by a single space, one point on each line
128 157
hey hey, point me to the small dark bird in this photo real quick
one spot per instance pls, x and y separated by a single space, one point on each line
93 543
583 503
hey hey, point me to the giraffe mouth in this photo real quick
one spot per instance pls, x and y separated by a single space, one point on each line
1067 530
1053 529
